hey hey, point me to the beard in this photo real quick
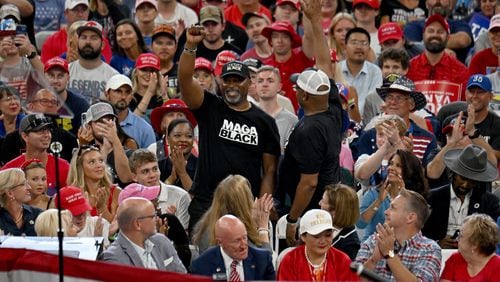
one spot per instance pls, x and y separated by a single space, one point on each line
233 100
121 105
435 47
88 53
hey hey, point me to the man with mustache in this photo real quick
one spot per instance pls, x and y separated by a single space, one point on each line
460 35
466 194
235 136
435 63
89 74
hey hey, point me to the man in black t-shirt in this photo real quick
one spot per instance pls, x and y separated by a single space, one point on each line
212 20
311 158
235 136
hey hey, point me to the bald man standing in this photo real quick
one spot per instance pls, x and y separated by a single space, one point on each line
138 243
233 259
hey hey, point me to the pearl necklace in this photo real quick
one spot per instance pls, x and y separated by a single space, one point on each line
315 265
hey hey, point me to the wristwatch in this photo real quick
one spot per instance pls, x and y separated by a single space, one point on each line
389 255
31 55
474 135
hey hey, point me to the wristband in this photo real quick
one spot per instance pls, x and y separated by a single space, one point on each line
262 230
290 221
190 51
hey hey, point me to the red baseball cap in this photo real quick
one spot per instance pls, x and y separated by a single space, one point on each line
223 58
172 105
440 19
295 3
56 62
148 60
202 63
389 31
72 199
375 4
283 26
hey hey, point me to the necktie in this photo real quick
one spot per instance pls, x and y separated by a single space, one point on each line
234 277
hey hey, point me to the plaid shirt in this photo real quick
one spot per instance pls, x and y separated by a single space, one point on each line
421 255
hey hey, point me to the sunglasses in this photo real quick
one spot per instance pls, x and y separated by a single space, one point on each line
86 148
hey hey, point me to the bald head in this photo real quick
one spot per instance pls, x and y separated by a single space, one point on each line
130 209
231 235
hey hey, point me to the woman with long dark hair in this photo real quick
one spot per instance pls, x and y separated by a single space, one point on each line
128 44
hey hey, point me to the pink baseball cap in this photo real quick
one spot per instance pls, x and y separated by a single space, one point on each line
389 31
494 22
223 58
139 190
140 2
148 60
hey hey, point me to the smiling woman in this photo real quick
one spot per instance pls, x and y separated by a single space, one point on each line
16 217
10 107
128 44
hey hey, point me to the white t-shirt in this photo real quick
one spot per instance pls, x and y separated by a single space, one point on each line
178 197
181 12
88 230
91 83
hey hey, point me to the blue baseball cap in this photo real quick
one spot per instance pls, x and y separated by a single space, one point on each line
481 81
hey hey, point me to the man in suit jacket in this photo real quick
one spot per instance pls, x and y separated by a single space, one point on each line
450 204
138 244
233 257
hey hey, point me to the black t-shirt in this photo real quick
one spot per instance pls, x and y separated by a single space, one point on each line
231 142
156 101
173 84
400 13
489 129
312 147
211 55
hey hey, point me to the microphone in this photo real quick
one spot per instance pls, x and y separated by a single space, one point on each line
56 147
366 273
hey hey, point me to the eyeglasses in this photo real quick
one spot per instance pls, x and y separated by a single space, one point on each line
395 98
86 148
9 99
18 185
47 102
358 42
154 216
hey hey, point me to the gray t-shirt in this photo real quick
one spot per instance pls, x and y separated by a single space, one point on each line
285 121
91 83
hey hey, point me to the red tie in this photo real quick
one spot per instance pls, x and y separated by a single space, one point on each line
234 277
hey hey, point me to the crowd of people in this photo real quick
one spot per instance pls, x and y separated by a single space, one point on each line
257 140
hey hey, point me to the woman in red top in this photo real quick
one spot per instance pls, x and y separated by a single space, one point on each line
476 259
88 171
316 260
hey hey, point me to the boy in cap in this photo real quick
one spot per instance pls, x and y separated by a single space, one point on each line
486 61
35 132
57 74
240 130
212 20
366 12
164 45
146 12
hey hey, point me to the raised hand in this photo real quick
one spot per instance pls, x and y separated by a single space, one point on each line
195 35
311 8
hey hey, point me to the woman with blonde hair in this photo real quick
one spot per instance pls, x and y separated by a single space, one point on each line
234 196
47 223
16 217
476 259
88 171
341 201
71 54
